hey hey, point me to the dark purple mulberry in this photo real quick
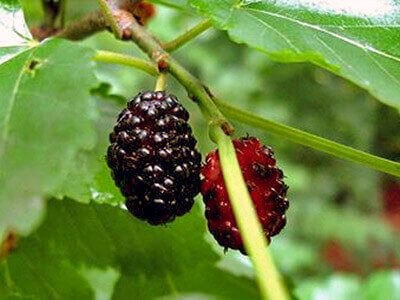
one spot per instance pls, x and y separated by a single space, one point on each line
153 158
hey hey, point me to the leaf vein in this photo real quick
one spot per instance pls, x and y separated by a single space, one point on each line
340 58
46 283
380 66
383 26
286 39
322 30
7 116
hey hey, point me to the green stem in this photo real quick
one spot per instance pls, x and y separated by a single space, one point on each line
161 82
187 36
193 86
309 140
110 19
121 59
268 277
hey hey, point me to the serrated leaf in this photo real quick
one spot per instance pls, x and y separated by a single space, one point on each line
46 117
77 241
351 39
14 33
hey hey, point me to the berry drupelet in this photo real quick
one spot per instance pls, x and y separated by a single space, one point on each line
153 158
265 185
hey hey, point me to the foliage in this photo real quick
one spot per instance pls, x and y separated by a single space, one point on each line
343 39
58 106
83 241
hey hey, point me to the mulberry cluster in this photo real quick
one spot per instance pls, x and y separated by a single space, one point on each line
265 184
153 158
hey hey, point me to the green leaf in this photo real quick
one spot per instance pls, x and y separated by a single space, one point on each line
80 246
206 280
345 38
90 177
46 118
383 285
14 33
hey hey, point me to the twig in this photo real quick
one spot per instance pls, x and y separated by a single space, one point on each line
187 36
84 27
111 20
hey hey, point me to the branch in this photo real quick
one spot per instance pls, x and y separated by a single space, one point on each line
84 27
114 14
111 20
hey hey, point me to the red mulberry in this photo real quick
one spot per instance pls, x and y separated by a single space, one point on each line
265 185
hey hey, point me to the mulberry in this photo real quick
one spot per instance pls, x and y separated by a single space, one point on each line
153 158
265 185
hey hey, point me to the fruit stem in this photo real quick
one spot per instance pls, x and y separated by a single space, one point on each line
161 82
269 279
110 19
187 36
309 140
121 59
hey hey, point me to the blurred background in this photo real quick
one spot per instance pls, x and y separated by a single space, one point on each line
343 218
